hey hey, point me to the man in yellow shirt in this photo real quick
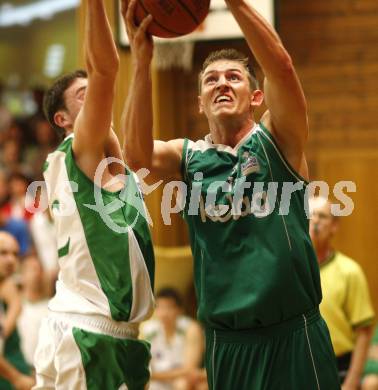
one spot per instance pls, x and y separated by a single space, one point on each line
346 304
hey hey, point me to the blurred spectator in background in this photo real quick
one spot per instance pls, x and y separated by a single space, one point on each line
24 143
370 381
5 115
38 93
177 346
10 157
45 140
17 131
19 201
17 228
13 216
4 191
15 377
10 301
35 296
346 304
12 147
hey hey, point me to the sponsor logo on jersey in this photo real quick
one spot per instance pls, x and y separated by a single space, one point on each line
257 206
250 165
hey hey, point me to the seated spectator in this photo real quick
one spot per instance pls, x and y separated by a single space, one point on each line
177 346
5 115
4 191
10 156
34 305
346 304
10 300
45 142
370 381
17 228
15 377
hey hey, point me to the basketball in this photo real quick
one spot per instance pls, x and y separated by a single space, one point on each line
172 18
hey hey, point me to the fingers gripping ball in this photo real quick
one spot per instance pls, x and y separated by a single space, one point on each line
172 18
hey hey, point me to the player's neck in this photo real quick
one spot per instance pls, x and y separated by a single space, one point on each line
68 132
230 132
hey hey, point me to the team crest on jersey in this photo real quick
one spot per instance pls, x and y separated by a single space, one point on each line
250 165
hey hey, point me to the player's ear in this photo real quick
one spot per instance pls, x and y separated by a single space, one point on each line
61 119
257 98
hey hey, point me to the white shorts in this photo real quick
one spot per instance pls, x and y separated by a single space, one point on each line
77 352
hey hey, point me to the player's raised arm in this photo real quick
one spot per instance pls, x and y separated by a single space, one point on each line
93 122
287 112
141 151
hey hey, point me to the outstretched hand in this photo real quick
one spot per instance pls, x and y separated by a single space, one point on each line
141 42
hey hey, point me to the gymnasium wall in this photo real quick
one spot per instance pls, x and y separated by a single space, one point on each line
23 49
334 46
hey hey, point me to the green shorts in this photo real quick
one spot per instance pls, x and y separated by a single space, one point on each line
294 355
110 363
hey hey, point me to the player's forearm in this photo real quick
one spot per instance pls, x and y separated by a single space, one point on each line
358 357
137 120
100 50
262 39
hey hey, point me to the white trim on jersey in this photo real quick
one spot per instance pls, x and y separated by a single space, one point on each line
207 143
293 173
272 178
143 300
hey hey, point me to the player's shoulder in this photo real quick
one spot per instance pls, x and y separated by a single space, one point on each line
177 142
174 146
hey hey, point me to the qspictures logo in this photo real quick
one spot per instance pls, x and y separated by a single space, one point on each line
240 199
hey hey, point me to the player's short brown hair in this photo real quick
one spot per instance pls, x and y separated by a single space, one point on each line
233 55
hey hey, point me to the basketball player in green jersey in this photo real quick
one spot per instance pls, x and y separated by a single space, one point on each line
256 275
104 287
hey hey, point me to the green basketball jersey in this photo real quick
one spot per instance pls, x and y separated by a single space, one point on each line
104 246
254 261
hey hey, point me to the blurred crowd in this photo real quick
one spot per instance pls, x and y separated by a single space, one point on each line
28 253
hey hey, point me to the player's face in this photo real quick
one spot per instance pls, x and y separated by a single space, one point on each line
322 222
8 256
225 90
74 97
